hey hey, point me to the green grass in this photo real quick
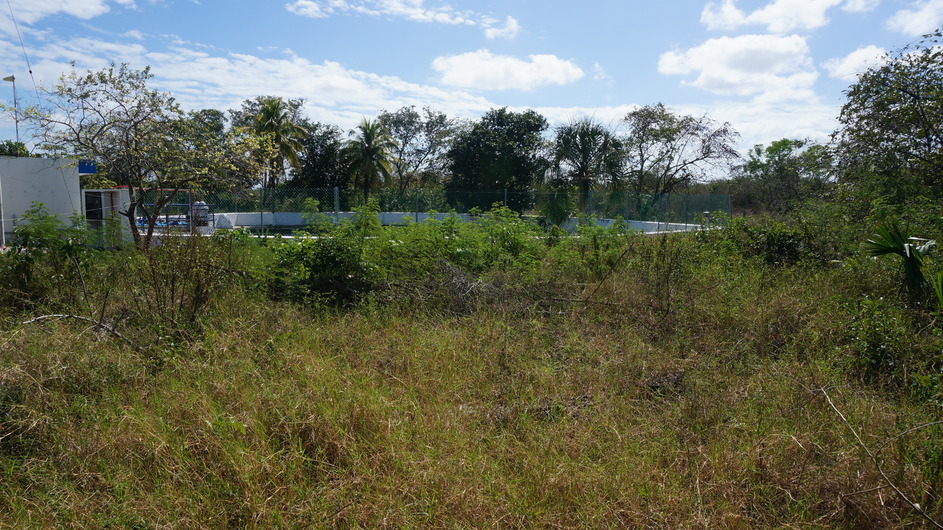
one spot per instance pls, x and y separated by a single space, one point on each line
682 391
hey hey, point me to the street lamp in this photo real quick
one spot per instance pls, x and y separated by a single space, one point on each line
16 111
16 120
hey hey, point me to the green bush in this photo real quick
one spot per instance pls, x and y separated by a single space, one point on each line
320 271
877 336
47 261
592 251
557 205
774 241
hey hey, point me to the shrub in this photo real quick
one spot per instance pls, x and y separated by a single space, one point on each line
593 251
170 287
46 263
877 335
890 238
556 205
316 271
774 241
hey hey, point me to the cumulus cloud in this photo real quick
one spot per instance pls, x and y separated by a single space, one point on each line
414 10
779 16
769 67
920 17
855 63
201 77
484 70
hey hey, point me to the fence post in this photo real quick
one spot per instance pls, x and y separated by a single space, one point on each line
416 194
506 198
337 205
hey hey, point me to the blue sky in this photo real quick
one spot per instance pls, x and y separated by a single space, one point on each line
772 68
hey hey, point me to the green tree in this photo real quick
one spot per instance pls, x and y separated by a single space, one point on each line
276 123
586 153
138 136
367 155
320 158
666 152
504 150
421 142
890 139
783 174
241 171
12 148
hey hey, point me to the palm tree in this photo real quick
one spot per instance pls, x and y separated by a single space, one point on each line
586 152
367 154
275 123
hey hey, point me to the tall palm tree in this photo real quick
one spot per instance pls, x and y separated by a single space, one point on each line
586 152
367 154
275 123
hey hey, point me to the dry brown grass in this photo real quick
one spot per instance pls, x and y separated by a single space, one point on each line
669 399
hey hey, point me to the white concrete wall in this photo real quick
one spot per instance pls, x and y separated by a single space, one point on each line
641 226
53 182
295 220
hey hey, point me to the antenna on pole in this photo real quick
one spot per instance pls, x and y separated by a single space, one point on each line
16 110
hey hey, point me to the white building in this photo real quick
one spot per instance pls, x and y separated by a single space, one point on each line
23 181
55 184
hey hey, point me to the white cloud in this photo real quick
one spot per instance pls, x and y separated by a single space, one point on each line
769 67
779 16
762 123
30 11
860 6
921 17
510 30
414 10
202 77
307 8
855 63
599 73
484 70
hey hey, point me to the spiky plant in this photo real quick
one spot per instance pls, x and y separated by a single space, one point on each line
890 238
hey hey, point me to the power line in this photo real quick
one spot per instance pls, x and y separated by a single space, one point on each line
29 68
16 25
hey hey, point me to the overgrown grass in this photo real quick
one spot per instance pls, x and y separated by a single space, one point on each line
479 375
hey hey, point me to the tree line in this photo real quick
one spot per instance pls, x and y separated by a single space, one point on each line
888 144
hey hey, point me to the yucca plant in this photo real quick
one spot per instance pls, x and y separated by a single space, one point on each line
890 238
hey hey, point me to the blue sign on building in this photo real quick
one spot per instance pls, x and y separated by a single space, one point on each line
87 166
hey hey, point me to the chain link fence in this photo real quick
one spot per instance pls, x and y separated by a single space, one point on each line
553 205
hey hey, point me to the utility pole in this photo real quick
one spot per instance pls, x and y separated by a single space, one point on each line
16 110
3 226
